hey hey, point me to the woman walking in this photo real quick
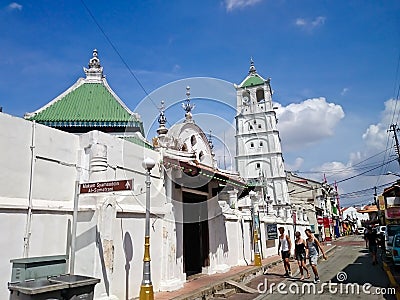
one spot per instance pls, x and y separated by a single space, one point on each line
300 254
313 247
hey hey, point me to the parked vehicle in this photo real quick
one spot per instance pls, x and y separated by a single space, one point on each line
360 230
391 231
396 249
381 230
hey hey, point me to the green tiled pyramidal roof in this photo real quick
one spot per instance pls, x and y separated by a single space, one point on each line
252 81
138 141
89 102
252 78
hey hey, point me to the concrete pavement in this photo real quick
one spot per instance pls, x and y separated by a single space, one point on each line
204 286
348 273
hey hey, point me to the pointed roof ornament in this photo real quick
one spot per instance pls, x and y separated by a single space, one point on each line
95 71
187 106
210 142
252 79
210 139
162 120
252 69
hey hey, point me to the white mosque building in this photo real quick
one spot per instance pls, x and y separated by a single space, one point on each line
200 215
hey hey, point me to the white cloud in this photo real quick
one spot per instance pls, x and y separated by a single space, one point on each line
310 24
344 91
234 4
376 135
370 156
301 22
298 162
14 6
339 169
318 21
303 124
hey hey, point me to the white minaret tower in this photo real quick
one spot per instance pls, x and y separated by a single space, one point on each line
258 146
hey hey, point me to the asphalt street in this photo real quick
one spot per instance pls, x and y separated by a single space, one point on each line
348 273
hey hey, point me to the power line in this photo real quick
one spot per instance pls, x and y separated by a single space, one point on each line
397 85
116 51
364 191
351 177
332 173
396 98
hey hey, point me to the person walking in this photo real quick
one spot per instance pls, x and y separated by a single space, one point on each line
371 236
285 245
365 237
313 247
300 254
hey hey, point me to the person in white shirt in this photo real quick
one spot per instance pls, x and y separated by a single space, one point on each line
285 245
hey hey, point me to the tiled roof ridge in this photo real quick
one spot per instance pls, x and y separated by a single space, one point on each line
77 84
105 83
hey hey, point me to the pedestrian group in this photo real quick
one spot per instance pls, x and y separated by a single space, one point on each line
303 250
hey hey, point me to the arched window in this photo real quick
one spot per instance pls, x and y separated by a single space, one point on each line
246 97
260 95
251 145
184 148
201 156
261 144
258 165
193 140
259 126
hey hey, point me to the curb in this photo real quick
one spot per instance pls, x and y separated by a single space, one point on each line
243 277
392 280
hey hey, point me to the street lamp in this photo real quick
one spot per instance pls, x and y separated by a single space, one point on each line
269 202
257 256
146 289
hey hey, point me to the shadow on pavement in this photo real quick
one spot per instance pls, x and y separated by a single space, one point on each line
363 273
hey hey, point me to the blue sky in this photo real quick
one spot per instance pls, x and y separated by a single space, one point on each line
333 65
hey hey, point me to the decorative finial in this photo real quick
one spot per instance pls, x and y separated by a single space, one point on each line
188 92
187 106
162 120
252 69
94 62
95 71
210 140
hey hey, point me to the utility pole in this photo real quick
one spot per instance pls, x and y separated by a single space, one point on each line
394 129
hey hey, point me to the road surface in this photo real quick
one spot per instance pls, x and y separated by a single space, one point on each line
347 274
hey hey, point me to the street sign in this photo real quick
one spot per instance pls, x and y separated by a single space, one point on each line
106 187
272 231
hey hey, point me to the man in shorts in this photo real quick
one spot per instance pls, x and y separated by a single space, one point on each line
285 244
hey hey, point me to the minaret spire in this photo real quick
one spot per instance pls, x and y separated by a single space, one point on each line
162 120
252 69
95 71
187 106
